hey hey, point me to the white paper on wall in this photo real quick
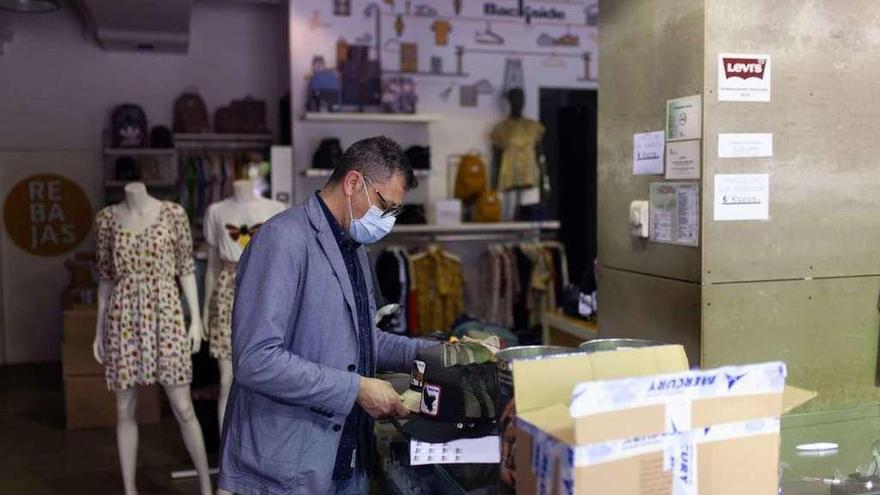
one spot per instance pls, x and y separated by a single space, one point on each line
745 145
742 197
648 150
683 160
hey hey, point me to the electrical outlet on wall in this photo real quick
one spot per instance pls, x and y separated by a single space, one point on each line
638 219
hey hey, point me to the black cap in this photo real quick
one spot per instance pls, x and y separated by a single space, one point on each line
438 357
456 402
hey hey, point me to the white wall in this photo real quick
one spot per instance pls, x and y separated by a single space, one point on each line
57 87
462 128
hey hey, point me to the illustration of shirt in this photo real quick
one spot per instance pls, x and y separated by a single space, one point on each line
441 30
230 224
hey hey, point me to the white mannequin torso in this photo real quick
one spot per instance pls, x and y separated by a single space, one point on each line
139 210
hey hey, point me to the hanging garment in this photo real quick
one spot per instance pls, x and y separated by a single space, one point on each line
490 284
215 179
402 323
439 290
145 340
391 277
229 173
229 226
540 285
189 177
517 139
514 77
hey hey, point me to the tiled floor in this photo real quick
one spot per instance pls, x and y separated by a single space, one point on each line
38 456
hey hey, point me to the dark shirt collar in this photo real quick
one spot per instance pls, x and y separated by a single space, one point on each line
342 237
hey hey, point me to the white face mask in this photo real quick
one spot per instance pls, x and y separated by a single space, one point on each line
371 227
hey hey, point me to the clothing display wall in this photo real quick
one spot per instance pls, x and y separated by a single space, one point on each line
463 55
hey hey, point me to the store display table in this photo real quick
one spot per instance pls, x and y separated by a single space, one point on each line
855 431
560 329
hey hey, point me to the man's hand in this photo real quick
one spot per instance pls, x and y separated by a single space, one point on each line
379 399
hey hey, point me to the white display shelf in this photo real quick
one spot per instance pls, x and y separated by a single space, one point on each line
476 228
322 172
139 151
148 183
402 118
201 137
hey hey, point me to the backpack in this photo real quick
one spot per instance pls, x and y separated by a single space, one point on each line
128 124
328 155
160 137
471 179
488 207
419 157
190 114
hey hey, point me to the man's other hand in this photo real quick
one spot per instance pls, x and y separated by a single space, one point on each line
379 399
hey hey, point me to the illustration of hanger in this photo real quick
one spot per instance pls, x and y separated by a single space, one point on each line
553 61
488 37
446 93
392 45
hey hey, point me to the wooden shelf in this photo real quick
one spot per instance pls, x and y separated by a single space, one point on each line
155 183
139 151
402 118
424 73
560 329
323 172
202 137
478 228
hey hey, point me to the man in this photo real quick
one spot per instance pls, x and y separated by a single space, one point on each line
304 349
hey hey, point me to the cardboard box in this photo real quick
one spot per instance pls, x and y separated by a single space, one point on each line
79 325
535 391
77 334
88 403
698 432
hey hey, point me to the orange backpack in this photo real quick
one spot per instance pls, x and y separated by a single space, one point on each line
488 207
471 179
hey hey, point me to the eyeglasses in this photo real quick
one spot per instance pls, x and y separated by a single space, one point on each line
389 209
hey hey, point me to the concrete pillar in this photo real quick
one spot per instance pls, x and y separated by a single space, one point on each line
802 287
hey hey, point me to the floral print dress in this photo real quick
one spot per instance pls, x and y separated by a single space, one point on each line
145 339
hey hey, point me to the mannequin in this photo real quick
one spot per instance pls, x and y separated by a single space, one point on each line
229 225
519 173
132 219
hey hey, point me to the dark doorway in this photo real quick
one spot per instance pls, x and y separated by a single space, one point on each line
569 117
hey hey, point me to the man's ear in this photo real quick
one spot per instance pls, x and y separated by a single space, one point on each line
350 182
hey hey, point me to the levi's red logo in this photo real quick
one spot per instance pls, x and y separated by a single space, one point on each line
744 68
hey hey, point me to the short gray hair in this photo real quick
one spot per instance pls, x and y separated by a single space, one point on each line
378 159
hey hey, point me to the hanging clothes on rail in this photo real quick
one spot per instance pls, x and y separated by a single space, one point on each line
439 289
392 274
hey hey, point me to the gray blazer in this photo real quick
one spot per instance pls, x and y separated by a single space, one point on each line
293 343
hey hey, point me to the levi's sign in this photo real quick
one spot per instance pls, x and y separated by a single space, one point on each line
744 68
743 77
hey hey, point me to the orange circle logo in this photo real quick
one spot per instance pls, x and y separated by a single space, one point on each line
47 214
